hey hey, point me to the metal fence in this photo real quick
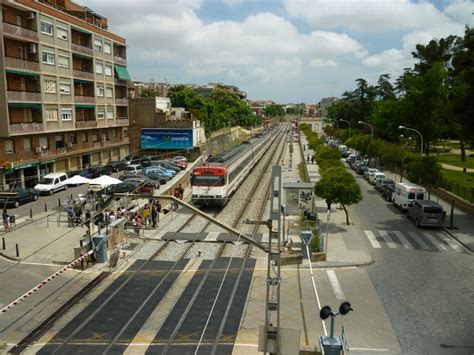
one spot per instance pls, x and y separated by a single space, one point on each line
465 192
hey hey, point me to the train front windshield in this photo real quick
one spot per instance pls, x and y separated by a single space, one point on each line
208 180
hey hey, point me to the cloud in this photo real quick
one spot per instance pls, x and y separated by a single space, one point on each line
365 15
461 11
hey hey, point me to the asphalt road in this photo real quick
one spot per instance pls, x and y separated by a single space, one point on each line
423 278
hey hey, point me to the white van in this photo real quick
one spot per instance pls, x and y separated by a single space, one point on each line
405 193
51 183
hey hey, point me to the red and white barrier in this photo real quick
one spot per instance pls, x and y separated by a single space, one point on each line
44 282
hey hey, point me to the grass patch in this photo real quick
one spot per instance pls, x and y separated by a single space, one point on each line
455 160
302 172
458 183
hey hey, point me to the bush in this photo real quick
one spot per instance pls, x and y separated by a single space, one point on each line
314 245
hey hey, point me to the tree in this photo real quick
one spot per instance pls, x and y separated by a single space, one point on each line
425 171
338 186
274 110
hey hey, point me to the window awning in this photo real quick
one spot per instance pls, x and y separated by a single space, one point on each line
24 105
83 81
11 71
83 56
122 72
80 30
85 106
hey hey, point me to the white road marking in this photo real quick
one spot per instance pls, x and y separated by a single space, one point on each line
372 239
419 240
336 286
450 242
435 241
387 239
403 240
370 349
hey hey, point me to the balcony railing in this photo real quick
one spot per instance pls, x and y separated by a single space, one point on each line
21 64
83 74
84 99
81 49
120 60
120 82
26 127
20 31
86 124
96 144
23 96
121 101
122 122
61 150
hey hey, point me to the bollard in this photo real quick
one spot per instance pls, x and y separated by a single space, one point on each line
71 197
3 243
31 213
17 251
59 202
45 207
81 243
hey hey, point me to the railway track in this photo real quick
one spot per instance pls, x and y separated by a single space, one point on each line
203 319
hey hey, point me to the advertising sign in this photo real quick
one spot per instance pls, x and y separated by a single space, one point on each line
166 138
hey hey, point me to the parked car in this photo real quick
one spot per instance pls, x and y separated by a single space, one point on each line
426 213
123 187
131 159
360 169
387 192
100 170
133 169
51 183
180 158
160 170
162 179
375 176
143 180
381 183
116 166
370 171
168 165
17 197
181 163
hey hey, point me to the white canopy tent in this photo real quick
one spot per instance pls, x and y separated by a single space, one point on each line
77 180
104 181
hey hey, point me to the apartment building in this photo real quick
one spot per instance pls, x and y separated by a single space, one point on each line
63 92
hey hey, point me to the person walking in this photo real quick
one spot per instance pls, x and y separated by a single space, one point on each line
158 211
312 159
154 214
5 218
146 215
181 191
70 216
137 223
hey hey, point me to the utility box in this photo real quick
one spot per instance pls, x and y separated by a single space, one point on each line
101 252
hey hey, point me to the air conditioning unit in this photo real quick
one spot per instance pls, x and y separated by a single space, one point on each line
31 16
33 48
69 145
38 150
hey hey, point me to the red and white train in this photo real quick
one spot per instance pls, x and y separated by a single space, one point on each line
214 182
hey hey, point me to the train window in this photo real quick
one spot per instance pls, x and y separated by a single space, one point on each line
208 180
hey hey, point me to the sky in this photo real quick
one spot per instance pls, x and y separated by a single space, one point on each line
288 51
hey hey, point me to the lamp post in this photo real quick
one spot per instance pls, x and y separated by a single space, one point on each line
349 123
371 129
414 130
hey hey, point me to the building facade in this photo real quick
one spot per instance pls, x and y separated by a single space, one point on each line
63 95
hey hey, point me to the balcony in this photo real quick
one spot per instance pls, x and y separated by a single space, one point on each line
96 144
123 101
23 96
81 49
86 124
21 64
120 82
26 127
84 99
61 150
122 122
83 75
120 60
18 31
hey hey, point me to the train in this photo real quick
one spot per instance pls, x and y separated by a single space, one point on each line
214 182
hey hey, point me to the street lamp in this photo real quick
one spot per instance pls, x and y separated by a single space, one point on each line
371 129
349 123
414 130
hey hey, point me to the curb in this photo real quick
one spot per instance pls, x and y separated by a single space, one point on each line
454 236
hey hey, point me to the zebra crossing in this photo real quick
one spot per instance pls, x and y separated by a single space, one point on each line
421 240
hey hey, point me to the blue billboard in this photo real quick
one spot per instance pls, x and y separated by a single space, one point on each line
166 138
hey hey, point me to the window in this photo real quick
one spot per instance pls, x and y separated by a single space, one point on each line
98 45
107 48
100 91
66 114
9 147
108 70
26 144
63 61
72 138
109 92
100 115
84 137
51 114
48 58
95 137
114 134
50 86
99 68
61 32
65 88
110 114
46 28
125 132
